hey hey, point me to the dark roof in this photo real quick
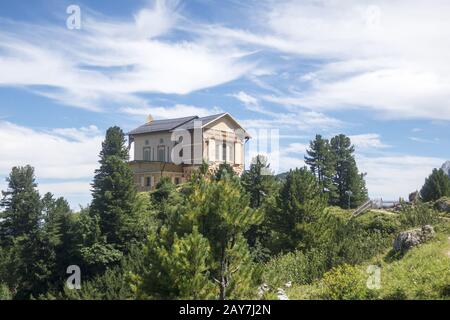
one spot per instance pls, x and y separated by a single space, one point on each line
172 124
161 125
204 120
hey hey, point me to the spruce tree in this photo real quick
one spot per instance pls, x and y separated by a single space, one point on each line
321 161
30 256
347 178
436 186
21 204
114 192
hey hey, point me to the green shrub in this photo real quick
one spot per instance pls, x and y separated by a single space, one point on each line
417 215
5 294
345 282
297 267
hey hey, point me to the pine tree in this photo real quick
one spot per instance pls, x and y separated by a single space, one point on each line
58 232
436 186
258 181
179 268
30 257
201 251
347 178
322 163
114 193
223 214
300 202
21 204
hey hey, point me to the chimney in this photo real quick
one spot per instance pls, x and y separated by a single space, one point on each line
149 118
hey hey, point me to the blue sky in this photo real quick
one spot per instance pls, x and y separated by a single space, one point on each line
377 71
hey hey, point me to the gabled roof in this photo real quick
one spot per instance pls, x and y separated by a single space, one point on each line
185 123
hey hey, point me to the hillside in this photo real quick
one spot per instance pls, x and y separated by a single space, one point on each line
422 273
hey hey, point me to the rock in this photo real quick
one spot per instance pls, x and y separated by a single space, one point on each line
281 294
262 289
443 204
427 233
408 239
413 196
288 284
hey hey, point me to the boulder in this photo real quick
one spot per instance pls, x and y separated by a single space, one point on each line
443 204
408 239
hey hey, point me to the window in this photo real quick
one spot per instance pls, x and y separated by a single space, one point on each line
147 142
148 182
224 152
146 154
161 140
162 154
177 180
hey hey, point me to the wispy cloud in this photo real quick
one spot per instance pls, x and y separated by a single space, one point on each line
107 62
368 141
176 111
387 57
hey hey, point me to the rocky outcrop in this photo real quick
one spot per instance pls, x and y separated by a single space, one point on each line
408 239
443 204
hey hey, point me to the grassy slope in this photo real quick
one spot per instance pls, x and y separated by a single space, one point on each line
422 273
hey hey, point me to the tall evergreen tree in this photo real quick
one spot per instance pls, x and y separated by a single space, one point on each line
321 161
349 182
437 185
30 256
114 192
22 207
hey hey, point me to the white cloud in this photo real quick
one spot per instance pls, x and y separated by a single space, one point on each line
67 157
423 140
391 177
368 141
109 62
387 57
176 111
296 148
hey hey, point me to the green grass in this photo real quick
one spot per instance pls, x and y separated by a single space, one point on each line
422 273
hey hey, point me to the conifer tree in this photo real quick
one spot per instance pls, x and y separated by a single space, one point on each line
258 181
321 161
21 204
114 192
300 202
215 260
30 256
349 182
436 186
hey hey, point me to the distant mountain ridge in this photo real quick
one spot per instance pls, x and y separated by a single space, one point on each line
446 167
